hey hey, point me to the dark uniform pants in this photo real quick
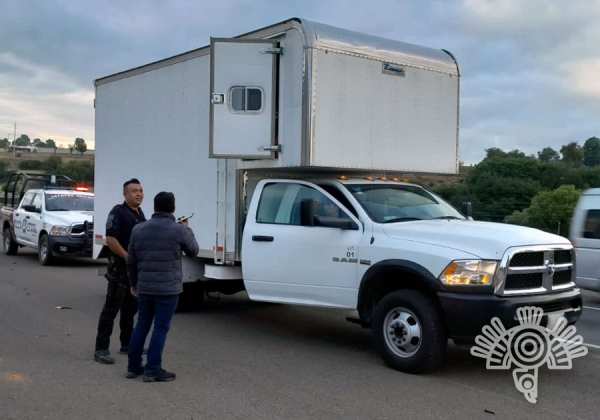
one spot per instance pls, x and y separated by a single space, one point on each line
118 298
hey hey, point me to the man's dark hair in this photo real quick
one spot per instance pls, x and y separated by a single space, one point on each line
131 181
164 202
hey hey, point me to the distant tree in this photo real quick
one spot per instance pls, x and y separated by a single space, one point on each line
494 153
53 164
548 154
572 154
51 143
80 145
516 154
550 210
71 148
39 143
591 152
4 143
23 140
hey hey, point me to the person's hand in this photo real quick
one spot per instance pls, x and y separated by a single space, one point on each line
134 291
185 223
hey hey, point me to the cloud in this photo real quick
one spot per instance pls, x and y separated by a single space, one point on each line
529 68
44 101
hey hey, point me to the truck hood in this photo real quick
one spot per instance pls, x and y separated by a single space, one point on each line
486 240
65 218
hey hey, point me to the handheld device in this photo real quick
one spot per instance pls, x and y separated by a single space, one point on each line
184 218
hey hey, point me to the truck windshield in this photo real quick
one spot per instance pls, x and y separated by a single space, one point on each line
399 203
69 202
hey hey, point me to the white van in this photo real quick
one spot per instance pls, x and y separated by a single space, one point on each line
585 235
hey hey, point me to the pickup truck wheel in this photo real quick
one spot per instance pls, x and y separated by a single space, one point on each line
409 332
10 246
44 253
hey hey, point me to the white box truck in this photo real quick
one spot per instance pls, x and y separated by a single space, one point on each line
291 145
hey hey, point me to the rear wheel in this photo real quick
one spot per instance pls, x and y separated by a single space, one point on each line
409 332
44 253
10 246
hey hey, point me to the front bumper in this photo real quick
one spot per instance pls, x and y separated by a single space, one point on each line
67 246
467 314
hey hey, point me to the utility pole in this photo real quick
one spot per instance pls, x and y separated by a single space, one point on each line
15 139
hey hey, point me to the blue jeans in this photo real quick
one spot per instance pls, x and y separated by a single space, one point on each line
157 309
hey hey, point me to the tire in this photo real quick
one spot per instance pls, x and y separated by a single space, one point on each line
191 298
10 246
409 332
44 252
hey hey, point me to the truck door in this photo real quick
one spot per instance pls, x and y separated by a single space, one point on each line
242 109
34 224
286 261
21 218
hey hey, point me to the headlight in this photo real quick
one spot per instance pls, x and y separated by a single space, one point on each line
60 230
469 272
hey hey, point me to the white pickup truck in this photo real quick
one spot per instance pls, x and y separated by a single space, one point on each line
291 145
56 219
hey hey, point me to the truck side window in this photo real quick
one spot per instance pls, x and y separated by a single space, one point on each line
591 229
340 197
28 198
280 203
37 202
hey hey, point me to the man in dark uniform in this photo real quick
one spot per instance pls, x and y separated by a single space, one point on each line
121 220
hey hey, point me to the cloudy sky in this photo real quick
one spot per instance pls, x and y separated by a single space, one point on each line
530 68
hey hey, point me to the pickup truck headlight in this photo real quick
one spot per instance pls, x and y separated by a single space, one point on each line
469 272
60 230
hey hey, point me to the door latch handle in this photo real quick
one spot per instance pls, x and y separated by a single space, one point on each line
217 98
260 238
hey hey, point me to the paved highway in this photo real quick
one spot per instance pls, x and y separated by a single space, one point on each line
238 359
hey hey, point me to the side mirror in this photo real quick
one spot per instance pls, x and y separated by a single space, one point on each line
308 211
344 223
30 208
466 210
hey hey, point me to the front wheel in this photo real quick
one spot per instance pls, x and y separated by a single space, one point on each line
10 246
409 332
44 253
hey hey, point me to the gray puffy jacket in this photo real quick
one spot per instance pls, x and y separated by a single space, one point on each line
154 255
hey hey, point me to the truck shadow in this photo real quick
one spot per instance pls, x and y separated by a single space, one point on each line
307 327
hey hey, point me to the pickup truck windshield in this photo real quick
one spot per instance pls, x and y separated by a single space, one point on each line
400 203
69 202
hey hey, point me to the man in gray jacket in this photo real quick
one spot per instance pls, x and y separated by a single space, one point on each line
155 274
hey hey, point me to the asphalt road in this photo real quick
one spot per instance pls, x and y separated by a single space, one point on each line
237 359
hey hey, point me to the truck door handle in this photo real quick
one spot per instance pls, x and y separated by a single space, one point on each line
260 238
27 217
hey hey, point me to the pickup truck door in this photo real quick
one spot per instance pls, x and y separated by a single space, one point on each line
286 261
34 224
20 219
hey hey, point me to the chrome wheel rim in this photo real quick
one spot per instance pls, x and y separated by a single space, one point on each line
403 332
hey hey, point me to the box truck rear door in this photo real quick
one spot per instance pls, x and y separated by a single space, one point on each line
243 77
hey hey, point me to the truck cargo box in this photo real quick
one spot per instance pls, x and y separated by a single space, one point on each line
295 96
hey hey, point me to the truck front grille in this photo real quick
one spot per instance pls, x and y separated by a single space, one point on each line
536 270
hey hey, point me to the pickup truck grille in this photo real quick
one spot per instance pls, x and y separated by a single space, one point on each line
536 270
78 230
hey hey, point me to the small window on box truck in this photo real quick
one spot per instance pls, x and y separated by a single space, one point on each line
243 99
